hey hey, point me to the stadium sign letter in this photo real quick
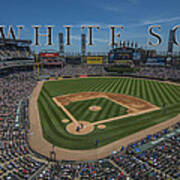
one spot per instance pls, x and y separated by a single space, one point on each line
155 35
90 31
174 35
112 33
2 32
10 32
68 43
49 35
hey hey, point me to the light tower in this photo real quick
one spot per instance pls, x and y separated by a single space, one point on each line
83 44
61 43
170 42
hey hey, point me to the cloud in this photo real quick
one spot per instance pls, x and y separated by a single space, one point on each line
153 21
121 6
100 40
102 25
163 20
133 1
74 37
112 8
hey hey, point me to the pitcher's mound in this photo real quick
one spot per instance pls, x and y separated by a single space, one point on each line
94 108
83 127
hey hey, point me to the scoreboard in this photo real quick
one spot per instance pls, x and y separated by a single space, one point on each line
49 58
94 60
121 56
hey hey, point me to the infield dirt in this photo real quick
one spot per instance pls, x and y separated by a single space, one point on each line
134 105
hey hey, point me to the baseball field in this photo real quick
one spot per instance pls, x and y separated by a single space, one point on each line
81 114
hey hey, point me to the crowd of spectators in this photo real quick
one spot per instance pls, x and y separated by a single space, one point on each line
13 55
101 169
84 69
18 161
14 52
74 70
159 72
161 161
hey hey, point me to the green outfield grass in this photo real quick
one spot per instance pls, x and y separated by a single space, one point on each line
157 93
80 109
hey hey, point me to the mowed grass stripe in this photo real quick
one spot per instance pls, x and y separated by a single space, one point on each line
52 122
165 94
134 86
51 105
174 97
151 92
114 86
148 93
160 95
155 97
123 89
108 86
144 94
174 91
101 86
103 113
108 110
119 86
137 92
127 86
165 91
84 113
131 86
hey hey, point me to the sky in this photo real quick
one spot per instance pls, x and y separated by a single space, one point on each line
135 15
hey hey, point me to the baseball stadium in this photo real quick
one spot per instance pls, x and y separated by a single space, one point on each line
90 116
